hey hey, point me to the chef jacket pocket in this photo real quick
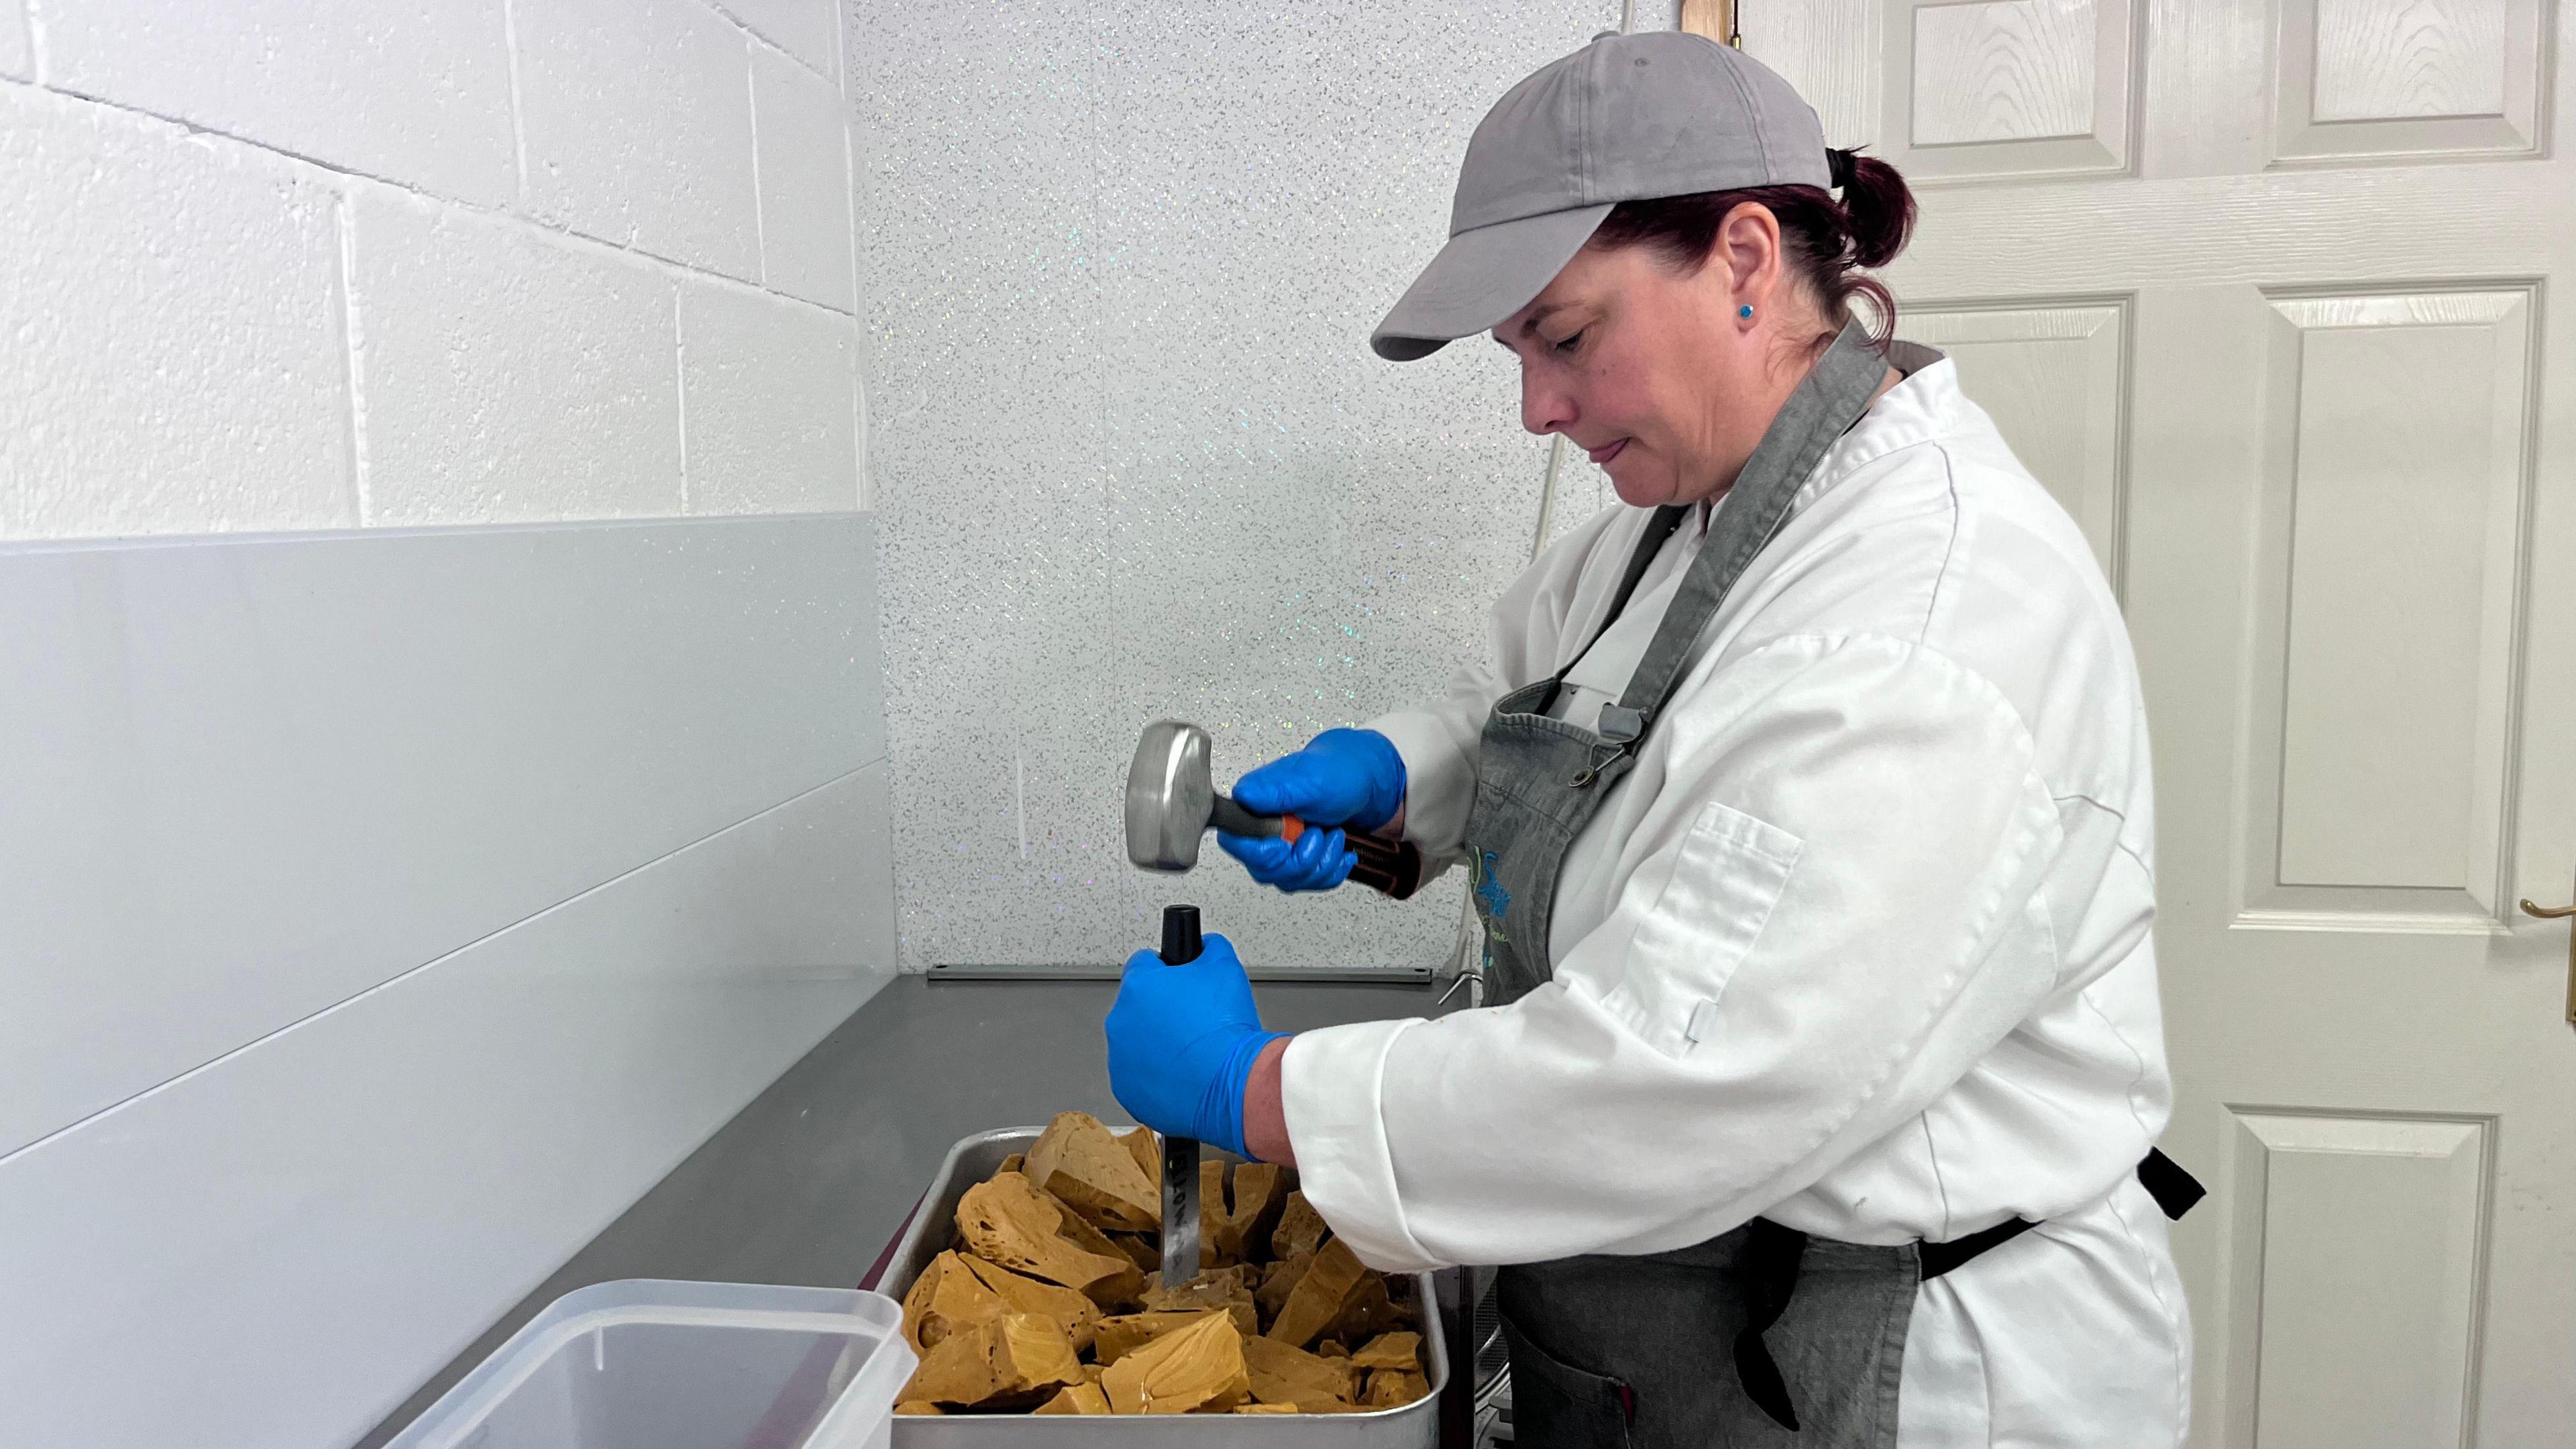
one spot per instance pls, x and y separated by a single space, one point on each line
1725 884
1560 1406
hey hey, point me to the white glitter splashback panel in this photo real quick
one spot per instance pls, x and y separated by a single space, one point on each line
1132 454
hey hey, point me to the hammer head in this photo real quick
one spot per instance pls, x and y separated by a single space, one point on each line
1169 796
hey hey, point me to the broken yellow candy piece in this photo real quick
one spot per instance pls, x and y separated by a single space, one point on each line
1391 1350
1117 1292
1254 1203
1008 1221
1219 1244
1277 1280
1148 1152
952 1294
1115 1337
1001 1361
1301 1229
1394 1388
1032 1354
1285 1375
1071 1310
1095 1174
1366 1313
1321 1295
1198 1369
1079 1399
957 1370
1139 1249
1214 1288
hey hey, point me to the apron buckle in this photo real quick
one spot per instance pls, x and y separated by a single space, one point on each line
1620 728
1592 769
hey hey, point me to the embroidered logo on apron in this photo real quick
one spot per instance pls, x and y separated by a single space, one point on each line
1489 891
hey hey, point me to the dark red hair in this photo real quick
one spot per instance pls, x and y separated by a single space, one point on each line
1826 242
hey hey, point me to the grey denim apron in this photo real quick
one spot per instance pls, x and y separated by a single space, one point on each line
1610 1351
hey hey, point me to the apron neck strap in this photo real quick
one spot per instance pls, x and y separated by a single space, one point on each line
1650 542
1827 401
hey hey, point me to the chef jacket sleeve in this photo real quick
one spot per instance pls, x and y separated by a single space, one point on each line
1829 914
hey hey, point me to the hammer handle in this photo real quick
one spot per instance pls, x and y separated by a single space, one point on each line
1391 867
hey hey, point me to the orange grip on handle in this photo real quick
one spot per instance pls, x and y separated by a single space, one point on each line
1290 827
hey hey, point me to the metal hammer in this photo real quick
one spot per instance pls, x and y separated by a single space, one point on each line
1171 803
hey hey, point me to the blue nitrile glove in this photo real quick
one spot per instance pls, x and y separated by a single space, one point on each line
1182 1040
1319 861
1342 777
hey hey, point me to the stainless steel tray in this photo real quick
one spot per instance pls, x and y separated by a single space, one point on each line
1415 1426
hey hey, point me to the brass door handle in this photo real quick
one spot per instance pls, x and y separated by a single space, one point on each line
2560 913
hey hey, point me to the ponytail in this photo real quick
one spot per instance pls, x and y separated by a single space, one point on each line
1826 242
1878 209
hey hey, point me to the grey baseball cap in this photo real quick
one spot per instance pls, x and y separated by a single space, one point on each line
1626 118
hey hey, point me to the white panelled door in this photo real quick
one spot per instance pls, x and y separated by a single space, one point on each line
2272 293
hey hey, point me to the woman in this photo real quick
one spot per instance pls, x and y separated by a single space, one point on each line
1806 806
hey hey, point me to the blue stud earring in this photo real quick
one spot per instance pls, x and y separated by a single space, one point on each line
1745 311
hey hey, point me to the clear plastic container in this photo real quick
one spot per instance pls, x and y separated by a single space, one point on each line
650 1364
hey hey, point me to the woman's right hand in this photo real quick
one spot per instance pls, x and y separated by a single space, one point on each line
1343 777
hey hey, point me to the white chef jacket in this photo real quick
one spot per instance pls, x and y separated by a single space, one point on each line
1860 945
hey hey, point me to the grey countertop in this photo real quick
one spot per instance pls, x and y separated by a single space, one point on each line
809 1183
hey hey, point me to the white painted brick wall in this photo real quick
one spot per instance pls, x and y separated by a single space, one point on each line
171 356
505 374
805 29
804 181
277 265
329 265
769 388
638 121
15 58
417 92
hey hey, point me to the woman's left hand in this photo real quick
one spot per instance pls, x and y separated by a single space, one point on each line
1182 1041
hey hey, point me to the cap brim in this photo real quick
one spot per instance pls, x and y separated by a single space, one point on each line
1480 278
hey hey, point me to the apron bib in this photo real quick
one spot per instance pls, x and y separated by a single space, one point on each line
1624 1350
